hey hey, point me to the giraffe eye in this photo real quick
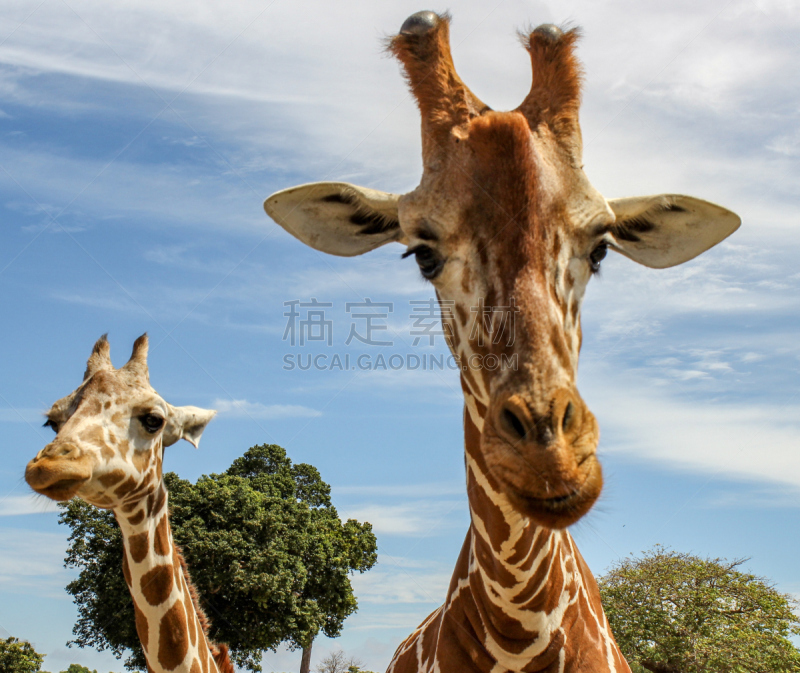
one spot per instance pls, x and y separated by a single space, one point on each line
429 261
50 423
151 423
597 256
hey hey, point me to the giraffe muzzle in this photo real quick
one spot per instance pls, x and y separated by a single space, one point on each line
545 462
58 471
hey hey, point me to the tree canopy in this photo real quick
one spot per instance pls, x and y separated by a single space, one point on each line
265 547
77 668
677 613
18 656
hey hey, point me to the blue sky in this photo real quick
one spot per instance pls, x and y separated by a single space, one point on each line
137 143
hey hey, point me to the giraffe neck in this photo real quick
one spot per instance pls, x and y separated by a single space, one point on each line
538 606
170 627
521 597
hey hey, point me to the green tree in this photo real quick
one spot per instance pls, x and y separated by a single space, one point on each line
677 613
265 547
18 656
77 668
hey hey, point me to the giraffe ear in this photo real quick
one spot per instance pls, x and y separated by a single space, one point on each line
336 217
668 229
186 423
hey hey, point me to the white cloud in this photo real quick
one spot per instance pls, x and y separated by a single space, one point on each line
388 583
750 441
769 498
420 518
245 409
16 505
31 563
106 191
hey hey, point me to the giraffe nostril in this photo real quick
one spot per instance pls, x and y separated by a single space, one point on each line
512 423
568 414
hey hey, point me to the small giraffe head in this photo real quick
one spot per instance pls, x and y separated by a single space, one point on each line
110 434
509 231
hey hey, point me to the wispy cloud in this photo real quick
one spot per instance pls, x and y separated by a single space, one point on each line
774 497
390 584
17 505
31 563
748 441
421 518
245 409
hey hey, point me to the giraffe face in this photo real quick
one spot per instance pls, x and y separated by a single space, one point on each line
110 434
508 229
510 254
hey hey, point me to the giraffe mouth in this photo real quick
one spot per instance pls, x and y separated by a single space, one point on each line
61 490
554 504
559 511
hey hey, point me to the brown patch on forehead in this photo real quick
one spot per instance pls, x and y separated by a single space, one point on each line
107 382
93 435
156 584
91 407
173 641
501 216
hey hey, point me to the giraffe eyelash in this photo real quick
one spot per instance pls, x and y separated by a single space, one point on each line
429 261
598 255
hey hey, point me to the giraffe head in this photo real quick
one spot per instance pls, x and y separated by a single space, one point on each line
509 231
110 434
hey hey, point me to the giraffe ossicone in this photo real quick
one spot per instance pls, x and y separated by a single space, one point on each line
503 217
108 450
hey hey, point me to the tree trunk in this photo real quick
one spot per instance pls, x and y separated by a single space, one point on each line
305 662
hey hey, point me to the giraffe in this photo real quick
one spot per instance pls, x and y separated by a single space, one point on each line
108 450
505 218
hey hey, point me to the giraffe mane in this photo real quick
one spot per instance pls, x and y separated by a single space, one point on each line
219 651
